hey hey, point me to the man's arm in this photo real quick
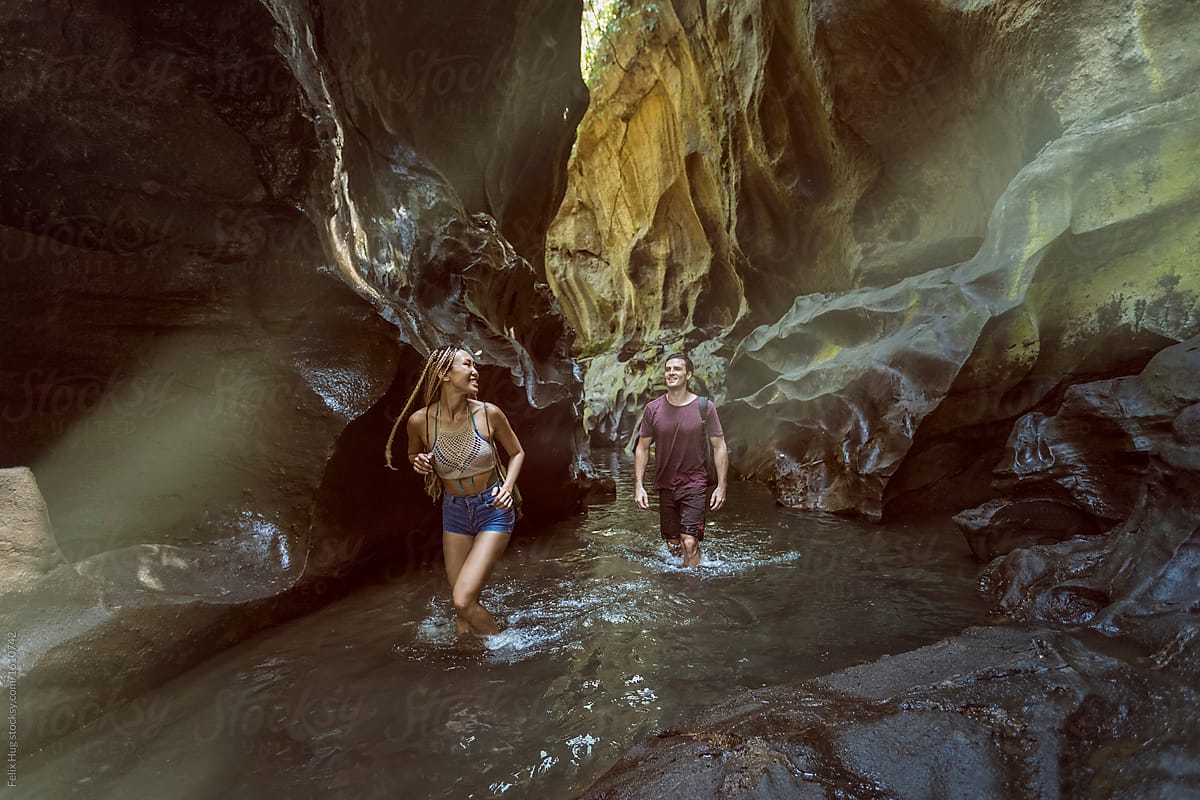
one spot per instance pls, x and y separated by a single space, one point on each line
641 457
721 460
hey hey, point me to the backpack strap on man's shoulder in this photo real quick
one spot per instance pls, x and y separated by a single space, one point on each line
705 405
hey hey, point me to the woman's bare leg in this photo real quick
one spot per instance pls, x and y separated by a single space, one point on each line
455 549
471 574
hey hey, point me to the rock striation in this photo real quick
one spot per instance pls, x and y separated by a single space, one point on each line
889 230
997 267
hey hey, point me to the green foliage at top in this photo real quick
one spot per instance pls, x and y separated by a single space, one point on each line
603 22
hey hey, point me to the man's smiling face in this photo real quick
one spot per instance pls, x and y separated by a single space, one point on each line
676 373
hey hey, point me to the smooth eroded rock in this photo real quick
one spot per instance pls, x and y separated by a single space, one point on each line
996 712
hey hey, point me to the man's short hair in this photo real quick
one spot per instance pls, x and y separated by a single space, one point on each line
687 361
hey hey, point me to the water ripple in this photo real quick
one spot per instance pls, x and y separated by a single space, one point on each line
603 637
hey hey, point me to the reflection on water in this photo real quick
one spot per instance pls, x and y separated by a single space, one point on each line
607 638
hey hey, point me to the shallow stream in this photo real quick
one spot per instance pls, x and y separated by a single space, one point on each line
607 639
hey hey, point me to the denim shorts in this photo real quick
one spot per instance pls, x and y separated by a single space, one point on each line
473 513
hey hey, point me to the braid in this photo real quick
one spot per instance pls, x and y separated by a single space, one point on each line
440 362
435 365
387 453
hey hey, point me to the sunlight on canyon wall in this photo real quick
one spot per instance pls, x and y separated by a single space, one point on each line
885 230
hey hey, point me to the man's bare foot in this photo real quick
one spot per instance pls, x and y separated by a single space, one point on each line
675 547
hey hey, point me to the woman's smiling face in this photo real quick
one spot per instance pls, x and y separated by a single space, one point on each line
462 373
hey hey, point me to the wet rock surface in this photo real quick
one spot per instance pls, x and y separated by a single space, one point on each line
444 132
177 362
1000 526
1084 470
1147 565
995 712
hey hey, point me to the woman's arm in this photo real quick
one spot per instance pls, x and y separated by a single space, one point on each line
418 449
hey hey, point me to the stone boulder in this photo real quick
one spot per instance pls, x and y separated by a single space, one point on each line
1000 526
995 712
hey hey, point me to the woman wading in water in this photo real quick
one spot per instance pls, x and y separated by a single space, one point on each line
452 442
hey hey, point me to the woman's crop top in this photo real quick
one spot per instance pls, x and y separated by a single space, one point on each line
462 453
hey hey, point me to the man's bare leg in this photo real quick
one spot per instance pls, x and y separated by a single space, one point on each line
691 551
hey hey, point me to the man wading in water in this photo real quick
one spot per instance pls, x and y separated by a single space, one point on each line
677 425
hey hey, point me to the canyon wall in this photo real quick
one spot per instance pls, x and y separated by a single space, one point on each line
885 231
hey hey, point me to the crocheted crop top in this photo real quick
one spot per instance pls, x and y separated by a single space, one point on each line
462 453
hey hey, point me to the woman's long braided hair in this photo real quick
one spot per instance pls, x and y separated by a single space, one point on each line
436 365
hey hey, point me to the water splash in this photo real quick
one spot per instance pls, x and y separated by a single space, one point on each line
719 557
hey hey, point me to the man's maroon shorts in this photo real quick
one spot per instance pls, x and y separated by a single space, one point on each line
682 511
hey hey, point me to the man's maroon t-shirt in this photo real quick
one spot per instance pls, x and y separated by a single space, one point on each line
678 433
